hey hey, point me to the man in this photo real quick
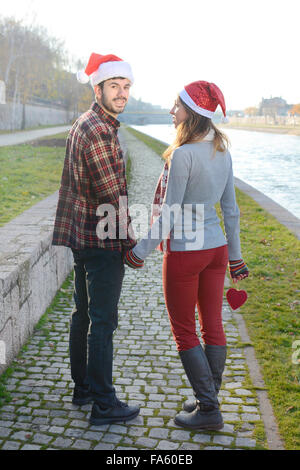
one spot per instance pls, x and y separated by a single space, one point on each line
94 175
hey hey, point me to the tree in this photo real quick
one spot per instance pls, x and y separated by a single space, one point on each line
35 68
251 111
295 109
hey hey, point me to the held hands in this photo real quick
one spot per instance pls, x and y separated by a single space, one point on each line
238 270
132 260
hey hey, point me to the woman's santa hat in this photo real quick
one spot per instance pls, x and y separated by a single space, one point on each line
203 98
104 67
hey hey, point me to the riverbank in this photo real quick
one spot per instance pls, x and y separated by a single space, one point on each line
272 129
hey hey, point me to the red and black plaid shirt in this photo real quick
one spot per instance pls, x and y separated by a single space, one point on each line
93 175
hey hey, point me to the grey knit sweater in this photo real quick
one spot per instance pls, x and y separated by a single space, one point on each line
197 181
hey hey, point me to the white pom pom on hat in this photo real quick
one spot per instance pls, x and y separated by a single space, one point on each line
203 98
104 67
82 77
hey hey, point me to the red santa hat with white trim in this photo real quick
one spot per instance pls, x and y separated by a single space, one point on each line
104 67
203 98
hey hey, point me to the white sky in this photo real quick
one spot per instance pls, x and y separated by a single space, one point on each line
249 48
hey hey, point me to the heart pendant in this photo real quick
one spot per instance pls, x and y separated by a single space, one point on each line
236 298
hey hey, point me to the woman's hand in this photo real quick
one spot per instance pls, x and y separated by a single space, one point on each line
238 270
132 260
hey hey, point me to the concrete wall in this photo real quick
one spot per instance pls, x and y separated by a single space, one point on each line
31 272
11 116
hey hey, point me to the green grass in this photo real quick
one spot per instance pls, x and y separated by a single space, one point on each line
28 175
128 170
272 312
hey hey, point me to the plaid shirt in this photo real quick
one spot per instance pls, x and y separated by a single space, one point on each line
93 175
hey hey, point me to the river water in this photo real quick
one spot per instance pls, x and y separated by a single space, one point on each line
268 162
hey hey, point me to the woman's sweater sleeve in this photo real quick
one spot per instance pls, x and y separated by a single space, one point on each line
171 208
231 215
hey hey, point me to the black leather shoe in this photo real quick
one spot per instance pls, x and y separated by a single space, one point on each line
81 396
119 412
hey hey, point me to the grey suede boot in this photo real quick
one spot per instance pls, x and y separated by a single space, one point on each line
216 356
206 415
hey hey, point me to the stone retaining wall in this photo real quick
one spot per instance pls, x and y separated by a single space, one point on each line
11 116
31 272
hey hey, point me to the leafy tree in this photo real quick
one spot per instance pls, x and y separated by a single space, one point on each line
295 109
35 68
251 111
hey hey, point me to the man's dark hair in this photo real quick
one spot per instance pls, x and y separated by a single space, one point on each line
101 85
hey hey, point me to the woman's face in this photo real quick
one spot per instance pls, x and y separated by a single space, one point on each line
178 112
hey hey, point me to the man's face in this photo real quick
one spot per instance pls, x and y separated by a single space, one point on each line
114 96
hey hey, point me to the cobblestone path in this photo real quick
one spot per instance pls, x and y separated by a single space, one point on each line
147 369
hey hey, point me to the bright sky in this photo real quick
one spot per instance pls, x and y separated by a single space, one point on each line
249 48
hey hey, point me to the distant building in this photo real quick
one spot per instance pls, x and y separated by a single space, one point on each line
273 107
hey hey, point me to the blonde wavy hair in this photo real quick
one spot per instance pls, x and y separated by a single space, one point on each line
194 129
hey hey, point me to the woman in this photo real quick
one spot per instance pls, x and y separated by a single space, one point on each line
197 175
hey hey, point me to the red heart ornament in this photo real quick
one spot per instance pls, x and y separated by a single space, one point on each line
236 298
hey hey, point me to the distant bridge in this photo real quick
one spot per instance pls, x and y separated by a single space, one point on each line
145 118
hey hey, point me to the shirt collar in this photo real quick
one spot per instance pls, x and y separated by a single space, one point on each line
105 116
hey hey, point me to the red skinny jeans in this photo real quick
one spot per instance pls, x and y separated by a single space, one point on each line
190 279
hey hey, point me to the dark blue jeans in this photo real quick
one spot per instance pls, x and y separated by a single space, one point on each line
98 276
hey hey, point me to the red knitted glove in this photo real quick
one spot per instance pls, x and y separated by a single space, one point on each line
132 260
238 270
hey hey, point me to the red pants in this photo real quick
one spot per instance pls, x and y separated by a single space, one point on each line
193 278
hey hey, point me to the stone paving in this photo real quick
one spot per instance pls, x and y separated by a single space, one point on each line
147 369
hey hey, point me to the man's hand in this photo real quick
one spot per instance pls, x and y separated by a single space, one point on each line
132 260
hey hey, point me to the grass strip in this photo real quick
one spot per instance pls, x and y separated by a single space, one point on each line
29 173
272 312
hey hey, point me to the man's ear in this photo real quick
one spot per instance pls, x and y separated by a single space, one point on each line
98 92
